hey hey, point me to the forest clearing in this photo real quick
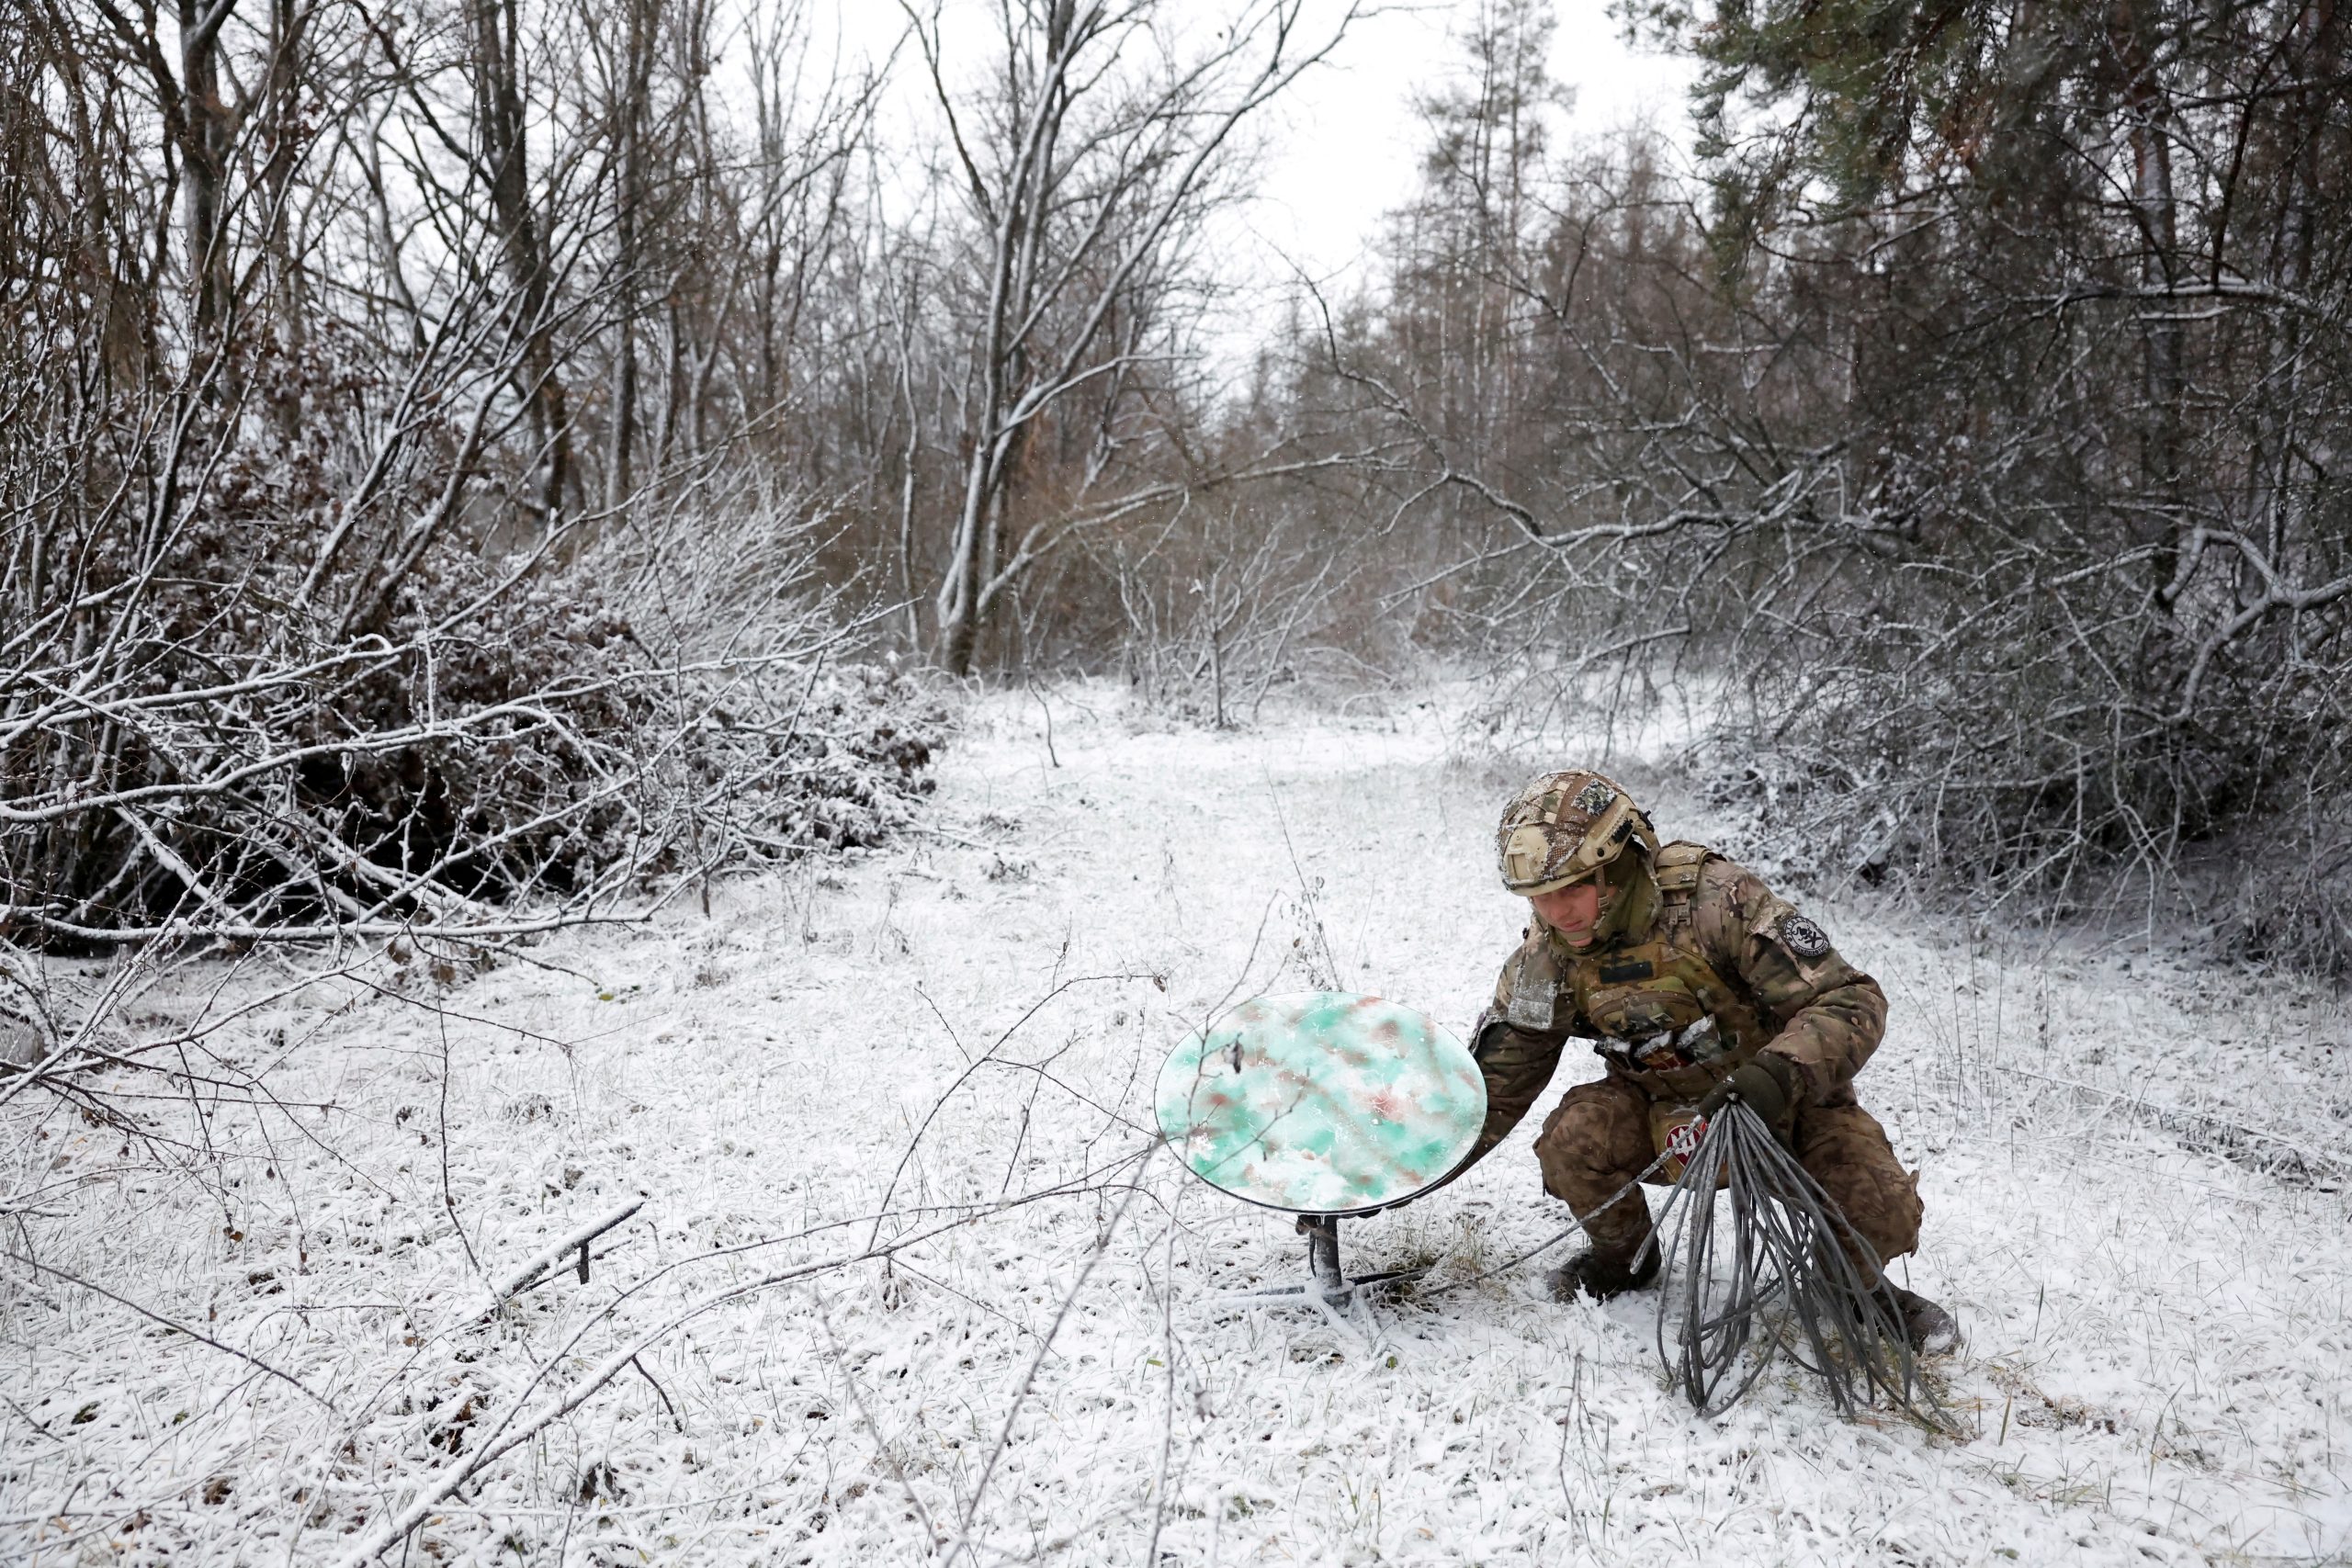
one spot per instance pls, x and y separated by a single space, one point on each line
752 751
911 1282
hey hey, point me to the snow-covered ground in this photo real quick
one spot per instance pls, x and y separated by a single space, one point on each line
911 1282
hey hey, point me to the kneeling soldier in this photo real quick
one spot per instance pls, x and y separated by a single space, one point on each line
1697 985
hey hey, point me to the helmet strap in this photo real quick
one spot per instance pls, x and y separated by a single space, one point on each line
1631 900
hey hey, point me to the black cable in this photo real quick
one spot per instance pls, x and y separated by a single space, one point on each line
1555 1239
1790 1281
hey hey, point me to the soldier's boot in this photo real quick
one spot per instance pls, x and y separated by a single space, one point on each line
1602 1274
1931 1330
1620 1253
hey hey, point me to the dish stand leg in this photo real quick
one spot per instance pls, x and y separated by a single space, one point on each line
1322 1232
1329 1284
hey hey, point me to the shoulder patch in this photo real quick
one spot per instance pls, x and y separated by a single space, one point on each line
1803 938
1531 987
1533 1001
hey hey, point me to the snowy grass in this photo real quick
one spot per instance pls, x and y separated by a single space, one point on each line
910 1281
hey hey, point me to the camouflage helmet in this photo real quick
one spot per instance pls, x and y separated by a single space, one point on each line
1562 828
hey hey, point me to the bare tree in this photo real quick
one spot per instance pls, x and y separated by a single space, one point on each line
305 633
1086 162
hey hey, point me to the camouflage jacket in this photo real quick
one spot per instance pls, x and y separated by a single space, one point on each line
1716 969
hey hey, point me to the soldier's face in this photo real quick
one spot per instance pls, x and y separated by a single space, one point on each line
1572 910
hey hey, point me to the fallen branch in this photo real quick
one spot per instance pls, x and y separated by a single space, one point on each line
577 1241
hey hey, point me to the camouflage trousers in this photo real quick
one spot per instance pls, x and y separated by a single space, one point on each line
1597 1137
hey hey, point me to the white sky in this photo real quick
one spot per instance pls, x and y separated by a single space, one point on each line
1345 146
1353 143
1342 150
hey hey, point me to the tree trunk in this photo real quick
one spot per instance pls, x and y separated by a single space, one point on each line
503 162
628 193
204 147
2148 124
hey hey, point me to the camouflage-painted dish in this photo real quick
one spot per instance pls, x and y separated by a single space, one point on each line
1321 1102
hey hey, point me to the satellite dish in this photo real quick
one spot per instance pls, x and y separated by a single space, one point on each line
1322 1103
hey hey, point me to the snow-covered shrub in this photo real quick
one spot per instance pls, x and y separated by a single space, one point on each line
242 739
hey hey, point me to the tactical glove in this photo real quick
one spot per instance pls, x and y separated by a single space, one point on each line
1768 1086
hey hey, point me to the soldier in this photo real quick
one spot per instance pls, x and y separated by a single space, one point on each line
1697 985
